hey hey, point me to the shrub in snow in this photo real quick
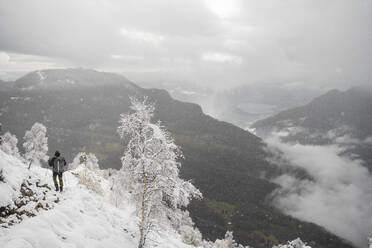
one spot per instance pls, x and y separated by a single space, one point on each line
9 144
191 235
150 168
36 144
117 195
89 160
297 243
182 223
88 174
227 242
90 180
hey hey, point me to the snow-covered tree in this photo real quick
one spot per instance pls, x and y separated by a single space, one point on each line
227 242
36 144
297 243
9 144
370 242
150 168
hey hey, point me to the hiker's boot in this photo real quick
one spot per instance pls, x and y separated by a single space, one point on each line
57 189
61 188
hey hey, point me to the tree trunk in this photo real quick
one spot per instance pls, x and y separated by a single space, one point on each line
143 213
29 166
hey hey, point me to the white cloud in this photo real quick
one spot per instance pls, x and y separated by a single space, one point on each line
140 36
271 41
338 198
4 58
223 8
128 58
221 58
17 64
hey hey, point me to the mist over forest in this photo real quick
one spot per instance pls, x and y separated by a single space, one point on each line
186 123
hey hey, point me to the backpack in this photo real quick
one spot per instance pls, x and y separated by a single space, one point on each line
59 164
50 162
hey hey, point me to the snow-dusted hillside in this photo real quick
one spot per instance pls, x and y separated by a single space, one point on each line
78 217
218 156
33 215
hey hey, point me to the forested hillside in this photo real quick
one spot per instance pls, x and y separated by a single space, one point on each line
225 162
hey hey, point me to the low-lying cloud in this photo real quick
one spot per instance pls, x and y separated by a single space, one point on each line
339 197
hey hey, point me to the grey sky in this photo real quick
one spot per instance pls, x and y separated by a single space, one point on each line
211 42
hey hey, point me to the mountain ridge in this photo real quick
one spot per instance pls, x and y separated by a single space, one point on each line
337 117
336 104
226 162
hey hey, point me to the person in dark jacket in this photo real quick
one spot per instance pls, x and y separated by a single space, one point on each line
59 164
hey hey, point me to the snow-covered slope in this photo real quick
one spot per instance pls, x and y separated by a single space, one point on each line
85 214
77 217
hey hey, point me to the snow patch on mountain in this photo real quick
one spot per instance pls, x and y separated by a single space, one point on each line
41 75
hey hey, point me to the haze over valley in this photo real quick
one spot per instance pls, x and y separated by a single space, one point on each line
186 123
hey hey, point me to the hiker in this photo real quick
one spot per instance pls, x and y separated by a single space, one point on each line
59 164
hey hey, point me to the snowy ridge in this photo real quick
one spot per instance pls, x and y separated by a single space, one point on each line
81 218
100 208
23 193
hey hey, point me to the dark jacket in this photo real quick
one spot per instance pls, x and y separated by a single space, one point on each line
58 164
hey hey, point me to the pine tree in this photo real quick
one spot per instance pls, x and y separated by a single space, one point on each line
150 168
36 144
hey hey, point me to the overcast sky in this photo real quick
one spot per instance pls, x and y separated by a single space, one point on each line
210 42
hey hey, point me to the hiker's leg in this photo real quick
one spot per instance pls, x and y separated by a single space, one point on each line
60 181
55 180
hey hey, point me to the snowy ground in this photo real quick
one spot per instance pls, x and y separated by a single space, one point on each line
33 215
80 218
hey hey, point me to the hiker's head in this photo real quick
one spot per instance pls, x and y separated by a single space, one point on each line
57 153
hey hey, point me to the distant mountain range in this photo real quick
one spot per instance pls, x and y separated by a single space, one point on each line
81 110
241 105
337 117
